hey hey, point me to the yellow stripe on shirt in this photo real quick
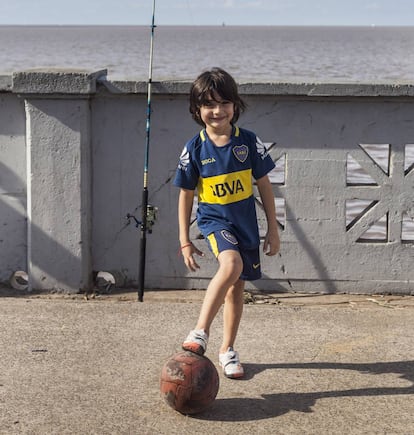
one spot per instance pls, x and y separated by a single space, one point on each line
226 188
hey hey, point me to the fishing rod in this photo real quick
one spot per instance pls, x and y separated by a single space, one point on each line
147 211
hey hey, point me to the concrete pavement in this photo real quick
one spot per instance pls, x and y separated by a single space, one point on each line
340 364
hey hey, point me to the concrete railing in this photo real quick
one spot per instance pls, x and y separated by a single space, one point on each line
71 163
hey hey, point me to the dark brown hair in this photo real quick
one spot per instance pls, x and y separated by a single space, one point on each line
215 80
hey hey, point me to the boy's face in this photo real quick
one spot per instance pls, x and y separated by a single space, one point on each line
216 113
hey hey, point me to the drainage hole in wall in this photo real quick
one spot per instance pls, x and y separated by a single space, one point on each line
19 280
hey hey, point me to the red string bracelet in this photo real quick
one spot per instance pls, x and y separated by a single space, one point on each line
184 246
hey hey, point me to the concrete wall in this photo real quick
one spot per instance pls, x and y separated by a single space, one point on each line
71 165
13 227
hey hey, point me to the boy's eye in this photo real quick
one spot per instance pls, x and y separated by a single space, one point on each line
213 103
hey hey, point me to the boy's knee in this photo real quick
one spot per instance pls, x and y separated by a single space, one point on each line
232 262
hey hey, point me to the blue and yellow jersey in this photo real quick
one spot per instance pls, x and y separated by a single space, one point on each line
223 177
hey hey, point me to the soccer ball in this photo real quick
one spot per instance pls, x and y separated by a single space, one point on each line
189 382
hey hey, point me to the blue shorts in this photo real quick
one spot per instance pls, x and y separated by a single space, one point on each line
223 240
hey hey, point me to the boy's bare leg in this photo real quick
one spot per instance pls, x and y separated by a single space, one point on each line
230 268
232 313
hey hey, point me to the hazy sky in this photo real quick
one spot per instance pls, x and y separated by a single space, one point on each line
199 12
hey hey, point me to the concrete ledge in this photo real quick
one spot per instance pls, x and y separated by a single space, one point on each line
78 81
56 81
328 89
282 89
140 87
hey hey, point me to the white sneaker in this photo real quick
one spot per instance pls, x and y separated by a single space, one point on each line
196 341
230 363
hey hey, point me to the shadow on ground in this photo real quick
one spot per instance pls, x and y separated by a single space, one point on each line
274 405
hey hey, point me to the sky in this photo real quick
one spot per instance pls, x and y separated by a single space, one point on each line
205 12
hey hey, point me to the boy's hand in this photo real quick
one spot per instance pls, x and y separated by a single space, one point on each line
271 244
188 254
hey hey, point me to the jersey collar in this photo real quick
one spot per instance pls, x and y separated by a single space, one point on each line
235 133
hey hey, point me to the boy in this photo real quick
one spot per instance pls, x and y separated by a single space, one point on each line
221 162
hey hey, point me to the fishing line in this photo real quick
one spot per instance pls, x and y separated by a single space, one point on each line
190 13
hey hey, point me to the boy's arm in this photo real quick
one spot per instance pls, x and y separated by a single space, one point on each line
185 206
272 242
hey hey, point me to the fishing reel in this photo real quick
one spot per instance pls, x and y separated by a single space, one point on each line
151 217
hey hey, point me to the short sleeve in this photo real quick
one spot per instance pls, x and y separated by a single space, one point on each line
186 175
262 163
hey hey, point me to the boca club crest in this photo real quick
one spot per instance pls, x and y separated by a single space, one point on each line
241 152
